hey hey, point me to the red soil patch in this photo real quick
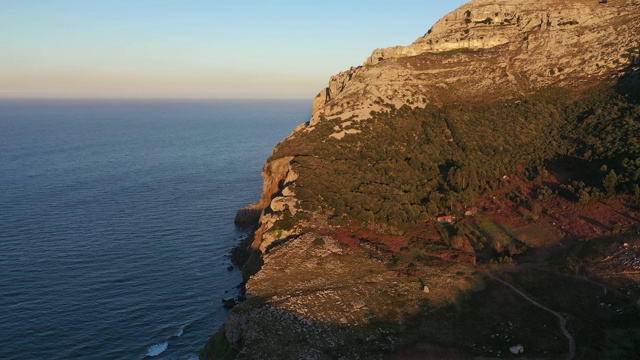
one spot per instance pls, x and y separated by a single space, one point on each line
572 219
555 222
353 237
550 226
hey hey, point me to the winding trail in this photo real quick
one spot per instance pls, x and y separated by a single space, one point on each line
563 320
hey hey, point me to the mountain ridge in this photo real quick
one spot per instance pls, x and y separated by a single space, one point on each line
518 46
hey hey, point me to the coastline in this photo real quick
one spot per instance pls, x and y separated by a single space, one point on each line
217 346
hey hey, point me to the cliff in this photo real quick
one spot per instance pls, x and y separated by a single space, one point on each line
499 116
489 49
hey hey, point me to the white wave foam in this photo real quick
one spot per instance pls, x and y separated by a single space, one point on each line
157 349
180 332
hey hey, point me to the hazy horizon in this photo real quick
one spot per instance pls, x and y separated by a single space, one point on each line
154 98
196 49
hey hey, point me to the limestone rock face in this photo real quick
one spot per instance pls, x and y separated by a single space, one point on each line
337 84
316 299
490 49
278 196
248 216
275 173
484 24
307 291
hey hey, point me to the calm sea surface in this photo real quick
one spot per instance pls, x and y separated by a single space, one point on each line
116 218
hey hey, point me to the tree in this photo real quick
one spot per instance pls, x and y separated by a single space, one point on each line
610 183
584 196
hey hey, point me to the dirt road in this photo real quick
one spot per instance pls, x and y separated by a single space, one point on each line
563 320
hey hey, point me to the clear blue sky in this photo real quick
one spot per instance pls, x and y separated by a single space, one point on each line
196 48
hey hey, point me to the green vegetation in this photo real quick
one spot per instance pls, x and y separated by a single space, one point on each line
605 147
621 344
602 322
408 164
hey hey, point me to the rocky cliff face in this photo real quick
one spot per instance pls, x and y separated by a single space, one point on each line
489 49
316 298
277 196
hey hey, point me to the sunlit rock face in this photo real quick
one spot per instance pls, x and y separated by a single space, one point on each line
490 49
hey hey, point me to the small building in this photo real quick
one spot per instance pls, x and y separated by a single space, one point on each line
447 219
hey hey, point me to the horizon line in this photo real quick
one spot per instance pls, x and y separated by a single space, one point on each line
153 98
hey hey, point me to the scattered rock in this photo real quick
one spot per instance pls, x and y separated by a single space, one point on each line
248 216
228 303
518 349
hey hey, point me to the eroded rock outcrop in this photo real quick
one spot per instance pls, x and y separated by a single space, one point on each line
277 197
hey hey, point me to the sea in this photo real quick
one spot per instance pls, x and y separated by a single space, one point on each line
116 221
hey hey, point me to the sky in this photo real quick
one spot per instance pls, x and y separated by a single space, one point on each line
196 48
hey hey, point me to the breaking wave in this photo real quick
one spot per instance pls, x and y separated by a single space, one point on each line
157 349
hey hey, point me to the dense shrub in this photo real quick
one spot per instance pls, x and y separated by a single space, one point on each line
411 164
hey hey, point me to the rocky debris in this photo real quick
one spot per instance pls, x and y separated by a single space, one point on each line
248 216
618 259
316 297
228 303
281 203
518 349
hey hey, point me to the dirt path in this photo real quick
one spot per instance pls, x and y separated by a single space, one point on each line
563 320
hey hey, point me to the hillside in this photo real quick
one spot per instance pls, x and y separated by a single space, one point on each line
503 145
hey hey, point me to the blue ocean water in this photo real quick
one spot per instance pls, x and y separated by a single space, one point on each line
116 218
